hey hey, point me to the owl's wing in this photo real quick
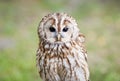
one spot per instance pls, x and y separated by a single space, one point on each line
84 51
81 39
39 62
38 56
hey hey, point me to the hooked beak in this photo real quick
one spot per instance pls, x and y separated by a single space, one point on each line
58 37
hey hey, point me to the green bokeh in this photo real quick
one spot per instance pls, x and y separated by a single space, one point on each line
98 20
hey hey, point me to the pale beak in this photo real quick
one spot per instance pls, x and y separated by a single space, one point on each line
59 37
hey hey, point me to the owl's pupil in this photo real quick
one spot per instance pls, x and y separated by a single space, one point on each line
65 29
52 29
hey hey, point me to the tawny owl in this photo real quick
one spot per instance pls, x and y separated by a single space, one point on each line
61 55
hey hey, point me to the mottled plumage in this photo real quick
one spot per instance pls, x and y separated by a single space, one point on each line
61 55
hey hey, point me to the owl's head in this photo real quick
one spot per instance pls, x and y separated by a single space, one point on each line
58 27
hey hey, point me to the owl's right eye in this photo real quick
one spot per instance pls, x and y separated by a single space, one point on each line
52 29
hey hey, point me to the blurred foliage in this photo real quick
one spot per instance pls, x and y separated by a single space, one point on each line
99 20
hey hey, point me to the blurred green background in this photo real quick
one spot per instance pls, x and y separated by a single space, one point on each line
98 20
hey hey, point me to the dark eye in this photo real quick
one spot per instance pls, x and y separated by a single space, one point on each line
52 29
65 29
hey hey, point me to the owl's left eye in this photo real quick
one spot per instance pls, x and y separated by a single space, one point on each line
65 29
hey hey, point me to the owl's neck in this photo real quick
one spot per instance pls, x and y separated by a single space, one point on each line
58 47
53 45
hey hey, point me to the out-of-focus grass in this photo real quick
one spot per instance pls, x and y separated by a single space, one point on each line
99 21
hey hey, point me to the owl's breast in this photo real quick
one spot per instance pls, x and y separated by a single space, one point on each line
61 62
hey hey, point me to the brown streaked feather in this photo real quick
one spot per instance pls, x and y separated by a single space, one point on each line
61 61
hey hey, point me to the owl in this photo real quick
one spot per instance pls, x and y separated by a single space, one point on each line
61 55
